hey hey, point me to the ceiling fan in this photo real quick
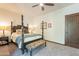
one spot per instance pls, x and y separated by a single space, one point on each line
43 4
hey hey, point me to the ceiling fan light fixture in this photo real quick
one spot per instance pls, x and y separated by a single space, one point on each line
41 4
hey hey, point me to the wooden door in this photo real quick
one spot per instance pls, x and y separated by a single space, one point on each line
72 30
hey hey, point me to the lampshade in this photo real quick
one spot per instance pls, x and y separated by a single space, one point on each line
4 26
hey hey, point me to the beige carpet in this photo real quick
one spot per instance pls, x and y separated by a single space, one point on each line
54 49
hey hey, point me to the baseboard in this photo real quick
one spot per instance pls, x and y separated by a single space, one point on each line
55 42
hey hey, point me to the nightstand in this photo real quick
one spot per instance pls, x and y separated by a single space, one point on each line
4 41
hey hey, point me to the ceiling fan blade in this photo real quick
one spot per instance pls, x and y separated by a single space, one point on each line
49 4
42 8
35 5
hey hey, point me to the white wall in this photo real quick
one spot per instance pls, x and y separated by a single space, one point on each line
7 16
57 18
27 20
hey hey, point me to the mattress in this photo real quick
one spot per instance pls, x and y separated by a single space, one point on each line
26 39
30 39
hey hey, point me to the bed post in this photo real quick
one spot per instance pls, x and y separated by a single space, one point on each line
11 30
11 26
22 46
43 32
27 28
42 29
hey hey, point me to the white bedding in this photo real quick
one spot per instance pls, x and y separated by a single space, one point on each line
14 36
30 39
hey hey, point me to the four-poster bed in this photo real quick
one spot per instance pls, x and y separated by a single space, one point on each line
24 38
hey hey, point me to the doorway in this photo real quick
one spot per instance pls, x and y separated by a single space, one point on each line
72 30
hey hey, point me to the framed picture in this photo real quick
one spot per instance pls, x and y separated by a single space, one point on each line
49 25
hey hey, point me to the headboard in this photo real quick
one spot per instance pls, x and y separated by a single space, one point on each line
14 28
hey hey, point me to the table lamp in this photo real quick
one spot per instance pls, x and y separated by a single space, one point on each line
3 28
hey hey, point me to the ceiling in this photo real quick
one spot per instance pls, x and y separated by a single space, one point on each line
9 7
26 8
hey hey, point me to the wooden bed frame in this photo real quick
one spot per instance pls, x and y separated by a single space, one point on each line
13 29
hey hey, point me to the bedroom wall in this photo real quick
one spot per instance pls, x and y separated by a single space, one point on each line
57 18
27 20
6 17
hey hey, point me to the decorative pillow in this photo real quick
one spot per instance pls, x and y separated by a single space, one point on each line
18 31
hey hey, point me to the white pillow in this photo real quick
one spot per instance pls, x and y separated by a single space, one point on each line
19 31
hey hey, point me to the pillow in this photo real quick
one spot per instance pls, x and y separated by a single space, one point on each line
18 31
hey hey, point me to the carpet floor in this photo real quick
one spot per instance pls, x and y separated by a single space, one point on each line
52 49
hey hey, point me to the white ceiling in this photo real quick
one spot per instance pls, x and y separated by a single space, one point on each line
26 8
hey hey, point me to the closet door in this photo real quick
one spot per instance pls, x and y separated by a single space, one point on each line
72 30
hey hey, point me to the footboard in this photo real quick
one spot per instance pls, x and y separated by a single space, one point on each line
34 45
